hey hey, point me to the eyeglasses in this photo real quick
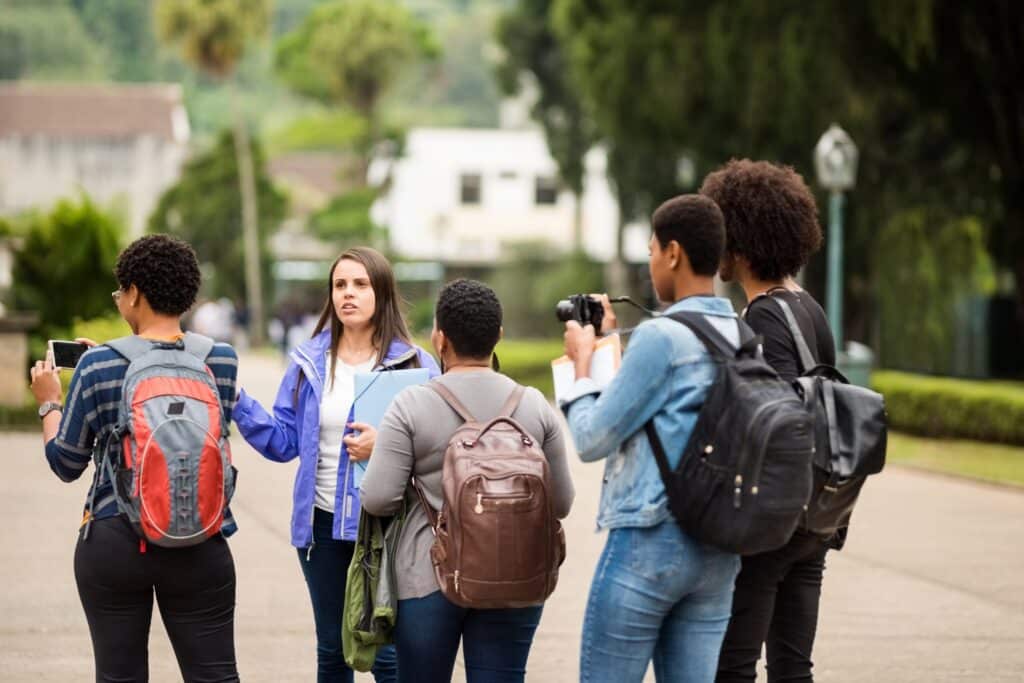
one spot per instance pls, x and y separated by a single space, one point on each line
116 295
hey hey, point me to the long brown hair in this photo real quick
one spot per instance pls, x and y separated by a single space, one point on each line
388 322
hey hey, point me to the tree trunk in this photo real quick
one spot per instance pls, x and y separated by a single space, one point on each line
250 227
616 271
577 222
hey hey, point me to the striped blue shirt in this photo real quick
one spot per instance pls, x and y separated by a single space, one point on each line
90 413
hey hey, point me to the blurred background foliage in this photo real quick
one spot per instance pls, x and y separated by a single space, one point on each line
934 236
207 195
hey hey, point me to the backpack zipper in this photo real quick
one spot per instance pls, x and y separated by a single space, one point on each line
497 498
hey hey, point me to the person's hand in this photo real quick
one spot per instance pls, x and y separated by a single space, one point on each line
359 447
609 322
579 346
45 381
85 340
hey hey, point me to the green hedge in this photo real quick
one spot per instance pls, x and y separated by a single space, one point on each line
19 417
945 407
529 361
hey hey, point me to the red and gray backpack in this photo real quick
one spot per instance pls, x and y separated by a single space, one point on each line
168 456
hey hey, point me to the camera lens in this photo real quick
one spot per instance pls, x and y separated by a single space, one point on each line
564 310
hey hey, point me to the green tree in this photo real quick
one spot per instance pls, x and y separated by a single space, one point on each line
713 80
346 219
63 268
925 43
933 268
125 28
531 47
213 36
349 52
45 39
204 208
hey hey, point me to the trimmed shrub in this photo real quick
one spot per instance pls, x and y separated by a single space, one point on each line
945 407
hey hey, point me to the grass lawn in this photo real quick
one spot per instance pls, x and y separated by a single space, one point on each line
987 461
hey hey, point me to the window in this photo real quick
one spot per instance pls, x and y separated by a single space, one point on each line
545 191
469 188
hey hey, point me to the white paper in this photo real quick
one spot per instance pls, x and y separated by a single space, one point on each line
603 366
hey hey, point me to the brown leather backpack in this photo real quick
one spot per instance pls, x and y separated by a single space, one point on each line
497 542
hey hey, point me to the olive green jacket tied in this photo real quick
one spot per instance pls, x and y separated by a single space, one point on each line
370 596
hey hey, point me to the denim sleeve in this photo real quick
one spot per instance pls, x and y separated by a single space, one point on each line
601 423
274 436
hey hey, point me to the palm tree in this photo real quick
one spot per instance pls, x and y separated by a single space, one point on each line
212 36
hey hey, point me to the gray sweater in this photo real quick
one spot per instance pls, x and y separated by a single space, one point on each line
411 441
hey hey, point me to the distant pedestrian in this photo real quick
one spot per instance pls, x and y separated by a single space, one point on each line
771 224
117 572
360 329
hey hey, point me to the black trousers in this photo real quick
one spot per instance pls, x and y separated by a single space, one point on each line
194 588
776 604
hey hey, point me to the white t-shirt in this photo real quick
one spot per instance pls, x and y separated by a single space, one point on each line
335 407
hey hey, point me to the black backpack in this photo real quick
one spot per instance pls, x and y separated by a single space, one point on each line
851 429
744 479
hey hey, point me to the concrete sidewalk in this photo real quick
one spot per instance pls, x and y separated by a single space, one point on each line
929 588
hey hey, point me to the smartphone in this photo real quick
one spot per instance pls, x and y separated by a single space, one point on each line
66 354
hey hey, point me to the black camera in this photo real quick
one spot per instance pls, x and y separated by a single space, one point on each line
583 308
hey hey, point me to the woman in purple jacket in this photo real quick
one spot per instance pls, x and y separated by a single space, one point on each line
361 329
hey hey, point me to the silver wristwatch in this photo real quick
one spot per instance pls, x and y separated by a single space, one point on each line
48 408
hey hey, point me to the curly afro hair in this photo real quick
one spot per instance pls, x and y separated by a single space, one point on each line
696 224
164 269
771 218
469 314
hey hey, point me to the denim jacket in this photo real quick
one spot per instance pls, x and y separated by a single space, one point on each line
294 431
665 374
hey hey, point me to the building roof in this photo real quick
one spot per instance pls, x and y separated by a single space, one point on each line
83 110
312 178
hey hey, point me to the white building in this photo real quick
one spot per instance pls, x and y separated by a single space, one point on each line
460 195
121 144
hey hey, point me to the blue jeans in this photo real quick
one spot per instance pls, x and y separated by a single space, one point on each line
326 572
657 594
495 642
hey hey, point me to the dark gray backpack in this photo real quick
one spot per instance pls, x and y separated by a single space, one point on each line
744 479
851 431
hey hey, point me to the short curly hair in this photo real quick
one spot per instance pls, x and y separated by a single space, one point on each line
771 218
469 314
164 269
695 223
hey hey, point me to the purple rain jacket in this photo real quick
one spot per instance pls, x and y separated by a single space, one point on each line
294 430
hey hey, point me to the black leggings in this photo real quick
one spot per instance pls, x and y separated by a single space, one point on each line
195 589
776 604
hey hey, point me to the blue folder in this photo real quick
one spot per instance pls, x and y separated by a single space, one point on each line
374 392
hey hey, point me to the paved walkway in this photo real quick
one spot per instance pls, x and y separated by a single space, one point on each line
930 587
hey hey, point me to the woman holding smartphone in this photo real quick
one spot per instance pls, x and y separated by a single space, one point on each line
361 329
117 573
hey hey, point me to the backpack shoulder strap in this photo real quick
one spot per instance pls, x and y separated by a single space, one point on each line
806 357
513 401
449 398
198 345
716 344
131 347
